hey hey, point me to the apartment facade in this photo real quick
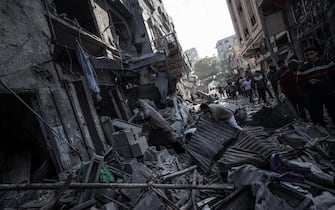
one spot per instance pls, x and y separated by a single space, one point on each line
248 28
66 65
225 46
272 30
193 55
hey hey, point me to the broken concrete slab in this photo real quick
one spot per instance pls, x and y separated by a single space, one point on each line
119 124
150 201
139 146
109 206
123 138
130 165
124 151
141 175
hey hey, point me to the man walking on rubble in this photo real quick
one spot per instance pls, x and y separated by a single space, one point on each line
220 113
160 133
316 78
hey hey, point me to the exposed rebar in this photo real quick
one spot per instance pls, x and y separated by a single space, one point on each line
50 186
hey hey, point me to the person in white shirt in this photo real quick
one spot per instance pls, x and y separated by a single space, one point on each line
248 89
219 113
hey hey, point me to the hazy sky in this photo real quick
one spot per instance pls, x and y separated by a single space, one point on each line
200 23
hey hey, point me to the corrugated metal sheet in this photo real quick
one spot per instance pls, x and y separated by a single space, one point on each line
208 140
253 146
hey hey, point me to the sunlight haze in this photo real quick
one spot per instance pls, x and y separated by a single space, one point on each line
200 23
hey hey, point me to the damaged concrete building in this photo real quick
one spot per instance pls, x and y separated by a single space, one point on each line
67 64
272 30
71 73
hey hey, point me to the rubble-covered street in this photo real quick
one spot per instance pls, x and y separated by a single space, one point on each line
290 166
102 110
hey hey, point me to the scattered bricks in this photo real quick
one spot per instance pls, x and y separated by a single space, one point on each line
130 165
124 151
139 147
123 138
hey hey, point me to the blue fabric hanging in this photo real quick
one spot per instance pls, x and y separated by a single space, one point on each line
88 70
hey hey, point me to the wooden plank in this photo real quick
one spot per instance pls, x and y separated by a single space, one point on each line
70 124
125 106
116 107
94 115
81 119
60 149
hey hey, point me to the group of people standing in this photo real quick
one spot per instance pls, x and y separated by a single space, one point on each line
258 82
309 85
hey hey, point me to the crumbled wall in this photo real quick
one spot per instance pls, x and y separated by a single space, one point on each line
25 42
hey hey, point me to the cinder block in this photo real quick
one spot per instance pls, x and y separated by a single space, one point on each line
130 165
139 147
123 138
124 151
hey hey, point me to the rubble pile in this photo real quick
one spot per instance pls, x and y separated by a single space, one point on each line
289 168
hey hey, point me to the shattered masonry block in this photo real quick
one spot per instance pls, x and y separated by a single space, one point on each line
103 195
150 155
130 165
163 155
124 151
139 147
150 201
109 206
122 138
141 175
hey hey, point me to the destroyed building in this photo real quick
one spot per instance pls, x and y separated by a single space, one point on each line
71 72
66 64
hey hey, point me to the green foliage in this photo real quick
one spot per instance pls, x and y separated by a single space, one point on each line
207 67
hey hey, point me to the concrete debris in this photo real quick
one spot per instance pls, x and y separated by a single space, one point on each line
290 167
92 119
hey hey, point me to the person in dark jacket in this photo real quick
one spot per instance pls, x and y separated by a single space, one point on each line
316 78
273 78
261 86
288 85
282 67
